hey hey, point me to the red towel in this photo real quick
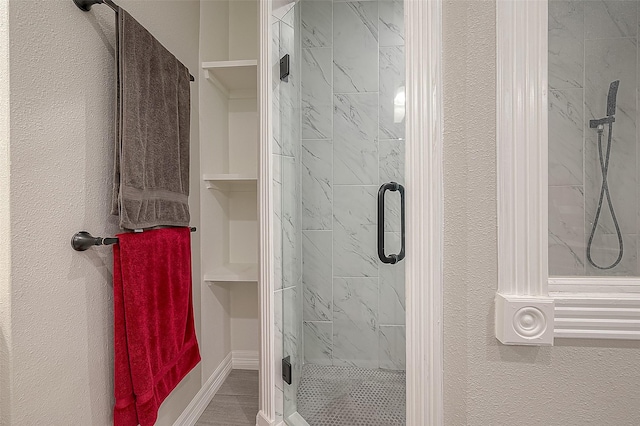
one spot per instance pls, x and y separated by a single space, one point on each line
155 338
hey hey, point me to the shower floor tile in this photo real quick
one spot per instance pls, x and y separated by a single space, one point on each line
351 396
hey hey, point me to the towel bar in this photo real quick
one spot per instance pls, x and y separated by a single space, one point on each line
83 240
85 5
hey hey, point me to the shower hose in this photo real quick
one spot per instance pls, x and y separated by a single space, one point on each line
604 191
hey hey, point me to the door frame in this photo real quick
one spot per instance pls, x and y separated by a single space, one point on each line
424 221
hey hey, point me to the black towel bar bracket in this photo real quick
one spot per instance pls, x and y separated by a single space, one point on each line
85 5
83 240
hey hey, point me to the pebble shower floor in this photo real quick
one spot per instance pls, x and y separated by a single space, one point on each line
351 396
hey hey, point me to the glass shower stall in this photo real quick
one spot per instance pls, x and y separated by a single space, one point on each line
593 139
338 159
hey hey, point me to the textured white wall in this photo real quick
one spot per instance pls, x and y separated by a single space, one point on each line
245 324
62 95
576 382
5 248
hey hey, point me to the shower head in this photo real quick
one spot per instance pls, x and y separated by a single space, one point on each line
611 99
611 107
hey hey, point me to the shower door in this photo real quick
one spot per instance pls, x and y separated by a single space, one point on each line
339 132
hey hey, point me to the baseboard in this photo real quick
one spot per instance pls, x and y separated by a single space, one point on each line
261 420
245 360
199 403
296 420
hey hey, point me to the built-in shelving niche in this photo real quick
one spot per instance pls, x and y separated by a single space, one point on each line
229 170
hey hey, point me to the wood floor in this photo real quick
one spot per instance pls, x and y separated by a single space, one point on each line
236 403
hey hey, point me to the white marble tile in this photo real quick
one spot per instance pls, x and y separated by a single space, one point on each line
277 219
605 250
566 126
318 346
290 323
279 12
278 334
355 47
275 82
391 161
291 224
392 92
279 403
317 184
317 97
289 95
355 328
279 350
566 44
392 347
610 19
355 144
317 275
391 23
354 231
292 335
566 233
392 285
289 17
609 60
317 23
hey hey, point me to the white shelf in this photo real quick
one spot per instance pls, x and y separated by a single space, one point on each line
233 272
230 181
236 79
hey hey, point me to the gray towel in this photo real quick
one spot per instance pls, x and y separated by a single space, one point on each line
151 172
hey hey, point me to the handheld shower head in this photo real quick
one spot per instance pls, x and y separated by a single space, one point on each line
611 107
611 99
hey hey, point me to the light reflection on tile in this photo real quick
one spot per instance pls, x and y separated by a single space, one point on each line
392 93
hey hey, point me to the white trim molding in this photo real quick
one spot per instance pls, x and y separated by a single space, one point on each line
199 403
245 360
267 362
524 312
425 223
531 308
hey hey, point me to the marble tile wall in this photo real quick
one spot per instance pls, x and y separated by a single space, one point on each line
591 44
352 99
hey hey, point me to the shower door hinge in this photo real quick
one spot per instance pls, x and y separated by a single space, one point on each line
286 370
284 68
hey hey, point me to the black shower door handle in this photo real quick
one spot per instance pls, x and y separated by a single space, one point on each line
392 258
